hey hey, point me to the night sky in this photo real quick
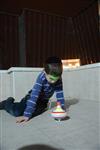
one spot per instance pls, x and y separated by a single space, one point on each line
63 7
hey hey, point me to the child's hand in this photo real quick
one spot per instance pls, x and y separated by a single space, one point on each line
21 119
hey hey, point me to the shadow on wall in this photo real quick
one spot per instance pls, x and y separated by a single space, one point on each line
38 147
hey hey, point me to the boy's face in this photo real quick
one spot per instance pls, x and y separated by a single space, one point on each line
52 79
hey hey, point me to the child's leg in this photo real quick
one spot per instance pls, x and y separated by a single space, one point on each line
40 107
14 108
6 102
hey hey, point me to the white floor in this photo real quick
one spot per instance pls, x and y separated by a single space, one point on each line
80 132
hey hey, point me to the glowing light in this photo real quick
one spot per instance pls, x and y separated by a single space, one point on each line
71 63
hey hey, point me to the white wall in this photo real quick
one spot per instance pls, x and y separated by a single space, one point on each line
23 80
5 85
82 83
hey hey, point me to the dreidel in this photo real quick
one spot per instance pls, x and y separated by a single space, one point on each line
58 113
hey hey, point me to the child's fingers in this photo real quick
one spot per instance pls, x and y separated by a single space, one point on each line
21 119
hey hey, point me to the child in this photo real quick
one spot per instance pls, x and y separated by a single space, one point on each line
35 102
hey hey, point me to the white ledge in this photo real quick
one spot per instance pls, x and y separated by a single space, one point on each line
89 66
37 69
24 69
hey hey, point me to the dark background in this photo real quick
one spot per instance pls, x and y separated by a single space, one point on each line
32 30
67 8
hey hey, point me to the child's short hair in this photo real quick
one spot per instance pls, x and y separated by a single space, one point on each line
53 66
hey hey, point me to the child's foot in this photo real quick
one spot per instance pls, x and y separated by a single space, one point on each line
9 100
1 106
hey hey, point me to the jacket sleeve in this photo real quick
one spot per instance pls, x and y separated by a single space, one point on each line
31 102
60 94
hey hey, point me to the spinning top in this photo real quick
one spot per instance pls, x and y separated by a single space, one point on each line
58 113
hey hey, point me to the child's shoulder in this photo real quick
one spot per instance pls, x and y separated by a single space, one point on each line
41 75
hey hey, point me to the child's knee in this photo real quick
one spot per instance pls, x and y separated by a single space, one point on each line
14 113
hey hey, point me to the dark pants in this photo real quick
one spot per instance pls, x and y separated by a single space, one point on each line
17 108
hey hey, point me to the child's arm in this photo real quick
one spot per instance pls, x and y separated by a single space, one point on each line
60 94
31 102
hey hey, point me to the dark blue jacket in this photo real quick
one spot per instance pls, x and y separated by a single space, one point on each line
45 90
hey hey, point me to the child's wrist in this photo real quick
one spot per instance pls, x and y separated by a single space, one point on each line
63 107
